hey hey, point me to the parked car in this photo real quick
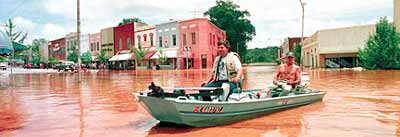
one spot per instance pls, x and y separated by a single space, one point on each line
67 66
27 66
3 65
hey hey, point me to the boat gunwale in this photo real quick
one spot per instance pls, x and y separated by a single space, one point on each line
235 102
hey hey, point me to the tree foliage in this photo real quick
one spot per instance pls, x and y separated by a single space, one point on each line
52 61
297 53
139 54
239 30
269 54
130 20
73 56
37 57
16 36
3 59
382 49
86 58
163 59
102 57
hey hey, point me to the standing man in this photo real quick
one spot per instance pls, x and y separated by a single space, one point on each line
227 71
289 72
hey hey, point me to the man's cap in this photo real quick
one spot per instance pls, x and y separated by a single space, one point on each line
290 54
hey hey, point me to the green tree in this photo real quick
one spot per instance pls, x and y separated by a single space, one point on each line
162 57
382 49
3 59
239 30
86 58
37 57
130 20
102 57
17 36
139 54
73 56
52 61
268 54
297 53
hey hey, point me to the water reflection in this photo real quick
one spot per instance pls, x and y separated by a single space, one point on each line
358 103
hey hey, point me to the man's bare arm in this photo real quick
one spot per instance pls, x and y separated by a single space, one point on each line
238 76
277 73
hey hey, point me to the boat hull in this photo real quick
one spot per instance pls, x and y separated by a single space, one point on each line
203 113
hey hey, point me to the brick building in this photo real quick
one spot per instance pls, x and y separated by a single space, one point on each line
198 40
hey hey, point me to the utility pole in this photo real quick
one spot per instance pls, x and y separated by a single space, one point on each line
302 21
78 23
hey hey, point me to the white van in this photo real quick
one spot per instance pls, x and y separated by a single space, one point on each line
3 65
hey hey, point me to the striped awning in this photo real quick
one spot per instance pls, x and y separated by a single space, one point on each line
150 54
121 57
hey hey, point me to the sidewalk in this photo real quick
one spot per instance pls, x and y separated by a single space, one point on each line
17 70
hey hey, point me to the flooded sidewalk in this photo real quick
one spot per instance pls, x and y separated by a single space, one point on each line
17 70
358 103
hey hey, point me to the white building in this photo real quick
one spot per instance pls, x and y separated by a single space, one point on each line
339 47
71 43
43 49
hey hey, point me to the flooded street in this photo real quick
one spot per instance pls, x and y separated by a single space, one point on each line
357 103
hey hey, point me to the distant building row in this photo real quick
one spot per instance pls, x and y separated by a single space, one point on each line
186 43
338 47
331 48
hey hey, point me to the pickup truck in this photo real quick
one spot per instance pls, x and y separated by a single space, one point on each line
66 67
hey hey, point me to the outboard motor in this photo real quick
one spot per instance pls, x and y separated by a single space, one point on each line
156 91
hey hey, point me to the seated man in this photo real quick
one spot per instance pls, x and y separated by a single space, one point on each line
289 73
226 72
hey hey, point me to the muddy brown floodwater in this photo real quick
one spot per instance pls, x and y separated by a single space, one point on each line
358 103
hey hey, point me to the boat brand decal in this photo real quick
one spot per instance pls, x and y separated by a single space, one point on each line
208 109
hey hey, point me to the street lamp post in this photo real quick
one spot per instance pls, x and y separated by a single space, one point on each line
78 31
302 20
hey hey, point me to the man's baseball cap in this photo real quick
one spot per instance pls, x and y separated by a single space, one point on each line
290 54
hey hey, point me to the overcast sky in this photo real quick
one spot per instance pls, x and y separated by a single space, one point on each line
273 19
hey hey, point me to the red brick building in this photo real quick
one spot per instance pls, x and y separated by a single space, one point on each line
57 49
198 40
288 45
124 37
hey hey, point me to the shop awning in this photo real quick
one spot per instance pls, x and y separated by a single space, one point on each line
150 54
19 47
121 57
167 53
